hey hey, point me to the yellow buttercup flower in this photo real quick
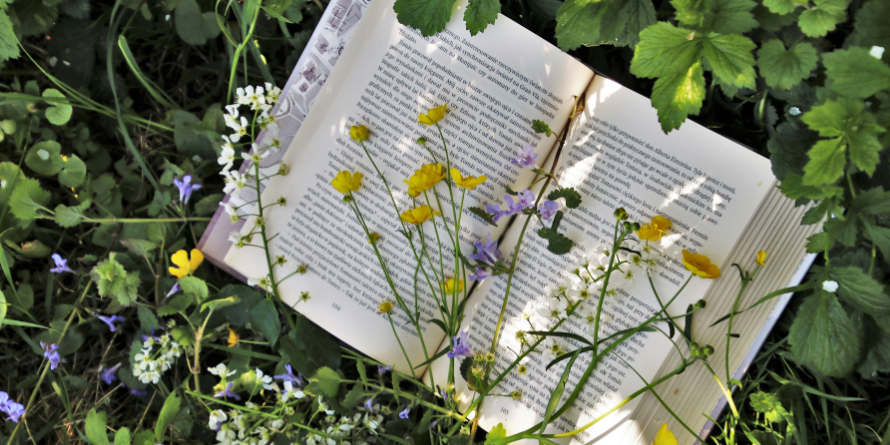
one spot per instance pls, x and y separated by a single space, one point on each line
451 284
466 182
185 266
418 215
655 229
346 182
233 337
359 133
433 115
700 265
761 258
665 436
385 307
424 178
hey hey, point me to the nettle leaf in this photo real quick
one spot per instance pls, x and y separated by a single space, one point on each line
856 73
482 214
663 49
851 127
40 158
58 113
819 21
861 290
427 16
783 68
27 198
480 14
677 95
264 318
784 6
573 198
874 201
70 216
614 22
9 48
725 16
823 336
871 25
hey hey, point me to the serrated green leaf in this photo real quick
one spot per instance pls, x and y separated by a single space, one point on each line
35 17
168 412
177 305
731 58
856 73
556 242
816 243
819 21
613 22
540 126
58 113
481 13
783 6
147 319
783 68
427 16
827 160
843 230
724 16
264 318
847 118
871 25
572 197
482 214
663 49
95 427
122 437
70 216
40 158
27 198
328 380
677 95
9 48
768 405
861 290
793 187
880 236
498 432
873 201
823 336
112 280
195 286
788 147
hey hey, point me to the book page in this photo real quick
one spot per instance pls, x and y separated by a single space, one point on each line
387 75
617 157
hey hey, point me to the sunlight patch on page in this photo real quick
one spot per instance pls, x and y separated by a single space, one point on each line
608 89
575 175
716 202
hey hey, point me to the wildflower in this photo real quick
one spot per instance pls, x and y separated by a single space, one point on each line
433 115
829 286
383 369
374 237
221 370
359 133
552 351
110 321
424 178
876 52
462 347
239 128
272 93
794 111
174 290
620 214
665 436
466 182
700 265
404 414
13 409
270 138
51 351
516 395
290 377
61 264
487 252
233 337
346 182
479 274
138 392
418 215
548 209
185 265
109 374
385 307
262 282
186 188
217 418
226 392
761 258
655 229
251 96
522 369
495 212
525 156
369 405
526 199
451 284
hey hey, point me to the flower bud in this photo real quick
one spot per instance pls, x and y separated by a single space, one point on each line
620 214
374 237
708 350
516 395
302 268
701 304
421 140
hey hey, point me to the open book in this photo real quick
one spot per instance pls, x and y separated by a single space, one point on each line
721 197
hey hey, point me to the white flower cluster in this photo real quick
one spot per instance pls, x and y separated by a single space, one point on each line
234 428
151 363
259 100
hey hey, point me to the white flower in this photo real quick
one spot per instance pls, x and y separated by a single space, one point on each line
272 93
290 391
552 349
250 96
2 184
226 156
270 138
588 318
216 419
877 51
221 370
265 379
794 111
529 310
234 181
556 308
230 210
239 128
235 236
231 118
829 286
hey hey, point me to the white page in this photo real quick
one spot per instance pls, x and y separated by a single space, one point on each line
383 72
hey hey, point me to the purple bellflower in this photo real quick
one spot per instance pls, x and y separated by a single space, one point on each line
404 414
526 156
110 321
290 377
548 209
109 374
227 392
12 408
369 405
479 274
495 212
487 252
51 351
174 290
186 188
462 347
61 264
526 199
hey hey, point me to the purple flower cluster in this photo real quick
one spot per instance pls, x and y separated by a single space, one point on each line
290 377
526 201
462 347
479 274
548 209
51 351
13 409
61 264
486 252
186 188
525 156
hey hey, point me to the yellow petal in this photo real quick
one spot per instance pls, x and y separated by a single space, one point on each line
197 259
233 337
665 436
761 258
180 258
178 272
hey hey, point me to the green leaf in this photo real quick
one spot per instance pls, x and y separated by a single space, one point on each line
783 6
310 348
194 286
843 117
112 280
827 160
880 236
498 432
70 216
122 437
860 290
731 58
823 336
788 147
9 48
220 303
36 17
328 380
482 214
27 198
783 68
138 246
264 318
540 126
427 16
877 359
664 49
58 113
856 73
556 242
208 204
40 158
95 427
573 198
480 14
677 95
147 319
873 201
819 21
168 412
768 405
192 26
816 243
3 305
613 22
74 171
871 25
793 187
724 16
177 305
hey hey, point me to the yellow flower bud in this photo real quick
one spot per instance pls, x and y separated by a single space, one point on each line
359 133
761 258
